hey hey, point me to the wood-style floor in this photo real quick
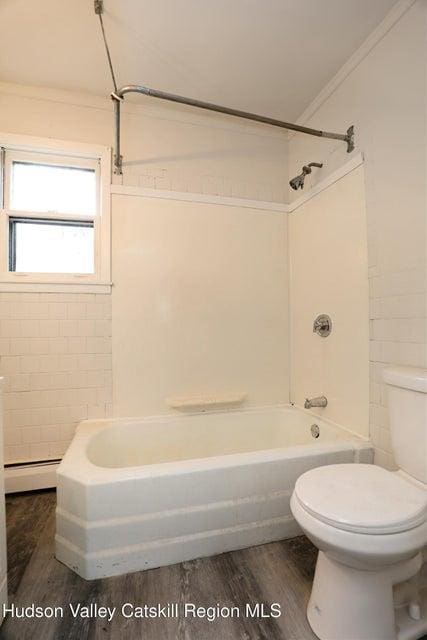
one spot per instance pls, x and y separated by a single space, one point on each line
278 572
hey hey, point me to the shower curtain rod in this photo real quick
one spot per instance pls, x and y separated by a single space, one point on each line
118 97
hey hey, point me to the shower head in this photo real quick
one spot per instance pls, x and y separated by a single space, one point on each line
298 182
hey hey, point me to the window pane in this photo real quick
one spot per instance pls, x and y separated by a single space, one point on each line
43 187
51 246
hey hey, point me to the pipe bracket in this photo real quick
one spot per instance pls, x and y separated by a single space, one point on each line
118 165
350 139
98 5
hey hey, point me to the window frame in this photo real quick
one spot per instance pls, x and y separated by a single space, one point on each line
62 153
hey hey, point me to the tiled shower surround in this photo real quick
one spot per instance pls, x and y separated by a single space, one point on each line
398 334
369 97
55 354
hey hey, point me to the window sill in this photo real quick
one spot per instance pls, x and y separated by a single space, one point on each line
55 287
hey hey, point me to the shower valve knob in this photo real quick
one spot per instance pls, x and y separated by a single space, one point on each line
322 325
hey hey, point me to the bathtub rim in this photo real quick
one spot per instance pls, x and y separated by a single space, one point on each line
76 465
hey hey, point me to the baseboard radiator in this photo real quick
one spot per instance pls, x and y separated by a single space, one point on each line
29 476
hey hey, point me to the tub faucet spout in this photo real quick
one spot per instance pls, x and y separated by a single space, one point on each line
320 401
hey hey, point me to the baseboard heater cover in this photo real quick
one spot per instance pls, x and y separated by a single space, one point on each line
30 476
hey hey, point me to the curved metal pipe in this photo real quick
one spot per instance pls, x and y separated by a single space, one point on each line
298 181
118 95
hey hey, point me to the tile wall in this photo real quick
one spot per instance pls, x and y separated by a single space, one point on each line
55 355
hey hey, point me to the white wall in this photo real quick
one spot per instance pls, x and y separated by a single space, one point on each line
385 97
199 303
55 349
329 274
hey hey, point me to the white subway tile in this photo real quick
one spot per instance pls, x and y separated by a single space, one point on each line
49 328
67 431
20 346
96 411
48 370
98 345
96 311
37 310
86 327
12 436
4 346
91 362
62 415
19 382
58 345
68 362
103 328
10 364
76 379
68 328
76 345
104 395
76 310
39 451
38 346
10 329
31 435
18 453
57 449
29 328
58 310
49 433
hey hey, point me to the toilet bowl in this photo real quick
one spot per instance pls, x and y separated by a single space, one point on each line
370 526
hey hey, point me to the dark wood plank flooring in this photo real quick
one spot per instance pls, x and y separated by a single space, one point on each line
278 572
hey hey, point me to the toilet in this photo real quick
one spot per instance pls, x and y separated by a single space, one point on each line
370 526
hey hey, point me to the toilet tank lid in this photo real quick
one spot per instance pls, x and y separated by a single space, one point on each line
407 378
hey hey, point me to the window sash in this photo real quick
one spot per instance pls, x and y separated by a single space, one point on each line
14 221
46 159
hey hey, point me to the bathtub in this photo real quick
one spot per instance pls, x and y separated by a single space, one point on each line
140 493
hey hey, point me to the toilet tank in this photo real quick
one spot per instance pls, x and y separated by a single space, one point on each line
407 405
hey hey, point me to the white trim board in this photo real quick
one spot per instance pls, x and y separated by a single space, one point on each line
185 196
393 16
54 287
336 175
279 207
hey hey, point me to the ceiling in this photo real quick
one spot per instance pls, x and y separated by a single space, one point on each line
267 56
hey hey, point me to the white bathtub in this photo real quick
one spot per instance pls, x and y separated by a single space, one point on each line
140 493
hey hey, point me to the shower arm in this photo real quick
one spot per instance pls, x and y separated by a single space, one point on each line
118 97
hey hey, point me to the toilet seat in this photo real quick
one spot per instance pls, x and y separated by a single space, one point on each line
361 498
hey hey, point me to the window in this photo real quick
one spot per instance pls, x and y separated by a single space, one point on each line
44 187
55 216
37 245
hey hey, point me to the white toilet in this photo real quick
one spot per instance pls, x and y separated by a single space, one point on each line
370 526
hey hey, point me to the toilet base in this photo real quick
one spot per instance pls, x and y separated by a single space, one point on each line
353 604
